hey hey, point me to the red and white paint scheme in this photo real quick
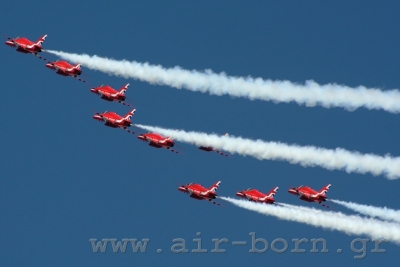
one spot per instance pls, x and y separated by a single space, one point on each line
110 94
210 148
114 120
308 194
158 141
26 46
256 196
65 68
199 192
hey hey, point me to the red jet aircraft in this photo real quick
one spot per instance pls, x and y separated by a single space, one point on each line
257 196
26 46
210 148
158 141
110 94
114 120
64 68
197 191
310 195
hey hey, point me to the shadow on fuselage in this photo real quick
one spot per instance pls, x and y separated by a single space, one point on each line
22 50
111 125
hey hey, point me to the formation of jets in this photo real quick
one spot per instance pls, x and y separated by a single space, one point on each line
106 92
112 119
306 193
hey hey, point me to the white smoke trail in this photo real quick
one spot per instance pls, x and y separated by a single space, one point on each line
309 94
307 156
383 213
351 225
306 209
303 208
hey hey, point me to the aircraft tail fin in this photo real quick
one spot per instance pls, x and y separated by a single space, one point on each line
325 189
273 192
123 90
77 66
130 114
41 40
214 187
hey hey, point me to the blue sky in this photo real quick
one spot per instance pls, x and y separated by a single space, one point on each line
67 178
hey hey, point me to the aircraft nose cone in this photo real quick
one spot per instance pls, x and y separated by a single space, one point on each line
292 191
97 117
50 66
93 90
181 188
